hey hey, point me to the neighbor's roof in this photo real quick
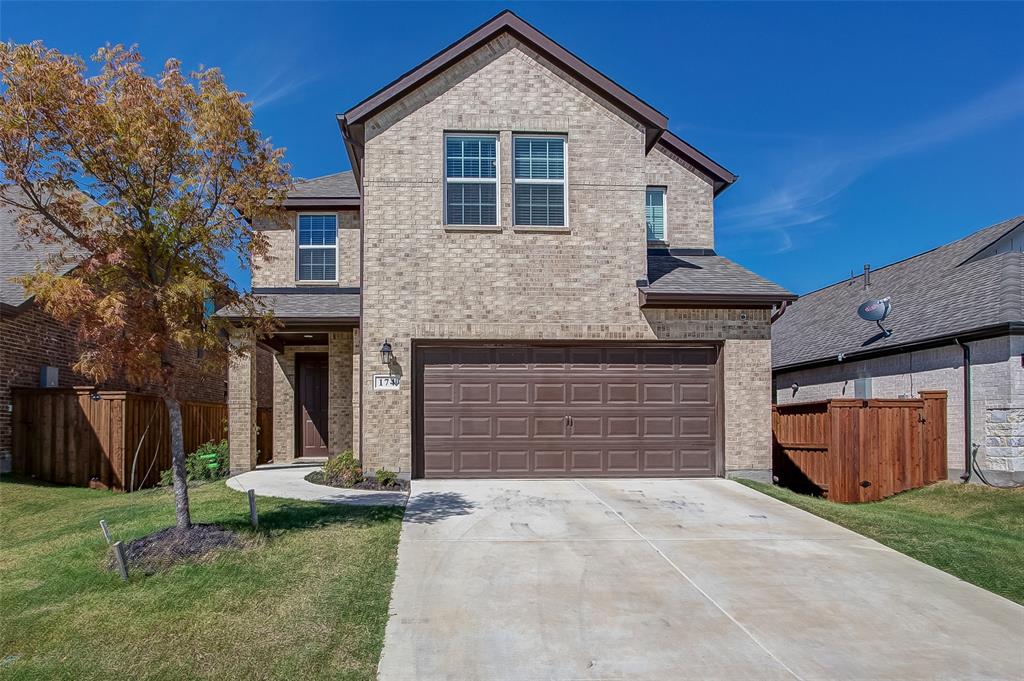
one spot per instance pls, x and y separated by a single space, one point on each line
19 256
301 306
700 276
337 190
655 123
935 295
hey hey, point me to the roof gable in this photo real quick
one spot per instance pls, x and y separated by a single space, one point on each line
654 121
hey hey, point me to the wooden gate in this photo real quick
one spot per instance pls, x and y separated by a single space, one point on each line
860 450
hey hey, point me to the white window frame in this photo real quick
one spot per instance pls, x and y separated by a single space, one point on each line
664 212
337 253
565 180
471 180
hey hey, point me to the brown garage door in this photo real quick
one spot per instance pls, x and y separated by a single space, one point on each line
549 411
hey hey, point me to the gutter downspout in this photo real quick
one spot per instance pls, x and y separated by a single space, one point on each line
967 411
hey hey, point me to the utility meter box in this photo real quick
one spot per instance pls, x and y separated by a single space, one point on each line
49 377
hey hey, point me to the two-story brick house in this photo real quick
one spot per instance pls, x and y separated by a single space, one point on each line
517 279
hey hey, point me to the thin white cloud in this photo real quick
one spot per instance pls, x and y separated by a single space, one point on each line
816 174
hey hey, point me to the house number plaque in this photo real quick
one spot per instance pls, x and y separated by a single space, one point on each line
386 382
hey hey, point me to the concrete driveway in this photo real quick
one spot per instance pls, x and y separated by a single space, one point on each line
671 579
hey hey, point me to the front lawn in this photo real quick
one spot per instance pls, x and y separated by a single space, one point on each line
973 532
309 600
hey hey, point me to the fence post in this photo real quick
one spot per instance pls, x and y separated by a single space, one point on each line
253 516
106 532
122 563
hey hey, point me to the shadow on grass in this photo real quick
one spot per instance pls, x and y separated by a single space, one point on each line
287 517
431 507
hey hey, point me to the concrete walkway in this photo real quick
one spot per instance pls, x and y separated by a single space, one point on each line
671 579
289 482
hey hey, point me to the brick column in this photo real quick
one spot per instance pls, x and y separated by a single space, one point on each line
242 408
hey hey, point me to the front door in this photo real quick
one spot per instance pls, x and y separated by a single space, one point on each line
312 405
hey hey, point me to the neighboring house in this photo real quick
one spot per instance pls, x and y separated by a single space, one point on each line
957 320
31 340
517 280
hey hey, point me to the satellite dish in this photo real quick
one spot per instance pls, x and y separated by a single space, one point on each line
876 310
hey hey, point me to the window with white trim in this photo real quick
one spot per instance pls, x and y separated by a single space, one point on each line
471 180
318 247
655 209
540 197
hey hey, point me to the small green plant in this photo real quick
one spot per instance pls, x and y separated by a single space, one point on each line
343 470
386 478
209 462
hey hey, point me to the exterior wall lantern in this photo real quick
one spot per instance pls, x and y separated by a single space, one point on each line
386 355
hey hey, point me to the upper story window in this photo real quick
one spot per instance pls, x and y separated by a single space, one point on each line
471 180
318 247
655 213
539 181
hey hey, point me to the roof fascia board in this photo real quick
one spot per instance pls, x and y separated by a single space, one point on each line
723 178
665 298
1010 328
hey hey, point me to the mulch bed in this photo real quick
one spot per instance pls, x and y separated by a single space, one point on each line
169 547
317 478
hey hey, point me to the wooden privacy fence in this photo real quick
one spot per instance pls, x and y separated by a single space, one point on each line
110 439
860 450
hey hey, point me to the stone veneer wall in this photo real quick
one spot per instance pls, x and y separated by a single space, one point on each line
997 387
278 270
689 200
422 281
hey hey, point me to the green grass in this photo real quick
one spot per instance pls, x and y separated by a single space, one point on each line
973 532
308 601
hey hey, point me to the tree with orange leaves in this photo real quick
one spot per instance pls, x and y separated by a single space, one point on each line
149 184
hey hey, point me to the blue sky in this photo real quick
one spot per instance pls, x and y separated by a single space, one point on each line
862 133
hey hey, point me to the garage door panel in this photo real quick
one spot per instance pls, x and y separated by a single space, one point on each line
624 461
549 393
536 411
471 461
550 460
512 393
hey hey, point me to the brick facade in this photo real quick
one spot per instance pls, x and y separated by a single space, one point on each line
278 270
689 197
32 339
422 281
997 387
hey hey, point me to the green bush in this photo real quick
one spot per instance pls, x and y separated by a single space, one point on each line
343 470
198 463
386 478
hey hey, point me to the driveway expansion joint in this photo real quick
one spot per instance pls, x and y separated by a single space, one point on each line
694 584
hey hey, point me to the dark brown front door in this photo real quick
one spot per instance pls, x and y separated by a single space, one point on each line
312 405
550 411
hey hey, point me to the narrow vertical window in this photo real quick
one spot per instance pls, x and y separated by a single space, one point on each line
471 180
655 213
318 247
539 179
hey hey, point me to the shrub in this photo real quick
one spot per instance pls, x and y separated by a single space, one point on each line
198 463
386 478
343 470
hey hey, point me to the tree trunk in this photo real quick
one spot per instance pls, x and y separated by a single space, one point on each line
184 518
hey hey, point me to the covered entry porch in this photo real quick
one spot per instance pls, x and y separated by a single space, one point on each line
313 376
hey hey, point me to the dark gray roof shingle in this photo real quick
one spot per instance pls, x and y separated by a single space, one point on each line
706 275
934 294
20 256
300 304
336 186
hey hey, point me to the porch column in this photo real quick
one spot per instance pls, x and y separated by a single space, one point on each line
242 407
